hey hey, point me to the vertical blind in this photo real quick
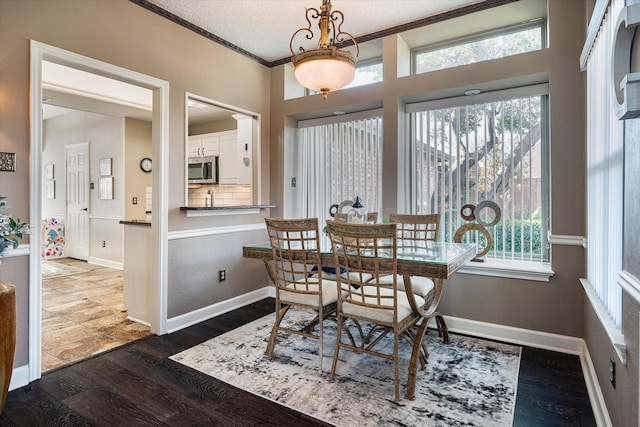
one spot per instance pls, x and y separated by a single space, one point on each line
491 151
339 162
605 156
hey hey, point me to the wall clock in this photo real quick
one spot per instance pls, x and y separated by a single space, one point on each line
145 165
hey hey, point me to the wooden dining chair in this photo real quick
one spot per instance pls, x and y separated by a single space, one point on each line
295 245
413 231
381 309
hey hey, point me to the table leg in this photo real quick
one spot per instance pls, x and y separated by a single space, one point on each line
413 364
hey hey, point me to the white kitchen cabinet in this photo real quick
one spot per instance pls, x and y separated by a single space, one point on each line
234 149
228 159
204 145
244 147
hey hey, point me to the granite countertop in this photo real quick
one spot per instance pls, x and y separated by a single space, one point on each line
143 222
222 208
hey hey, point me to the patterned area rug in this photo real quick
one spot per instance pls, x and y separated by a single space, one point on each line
469 382
56 269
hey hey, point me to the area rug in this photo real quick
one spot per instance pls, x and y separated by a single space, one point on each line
57 269
468 382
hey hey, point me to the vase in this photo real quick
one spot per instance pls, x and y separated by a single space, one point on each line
7 337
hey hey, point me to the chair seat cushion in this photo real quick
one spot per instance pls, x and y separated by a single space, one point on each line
329 293
379 314
420 285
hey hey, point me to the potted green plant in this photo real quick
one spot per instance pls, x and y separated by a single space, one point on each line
11 230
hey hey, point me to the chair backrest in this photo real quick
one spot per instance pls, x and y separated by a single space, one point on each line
366 253
295 245
342 216
414 229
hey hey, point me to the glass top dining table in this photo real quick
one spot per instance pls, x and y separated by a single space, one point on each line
437 260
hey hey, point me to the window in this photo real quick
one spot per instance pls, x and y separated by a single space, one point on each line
367 72
495 151
605 152
339 161
494 45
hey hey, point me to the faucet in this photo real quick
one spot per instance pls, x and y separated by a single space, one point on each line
210 193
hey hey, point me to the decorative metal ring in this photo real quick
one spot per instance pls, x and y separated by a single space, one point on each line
490 205
477 227
468 207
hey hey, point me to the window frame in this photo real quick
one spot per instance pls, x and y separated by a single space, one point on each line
603 286
300 162
484 35
527 270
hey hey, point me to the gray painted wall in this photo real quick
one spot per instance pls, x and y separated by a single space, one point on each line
121 33
124 34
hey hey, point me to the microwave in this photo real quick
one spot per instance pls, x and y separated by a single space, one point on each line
203 170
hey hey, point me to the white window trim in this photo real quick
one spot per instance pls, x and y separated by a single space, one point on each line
523 270
630 284
615 336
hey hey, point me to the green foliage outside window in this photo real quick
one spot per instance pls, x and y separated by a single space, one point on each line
492 47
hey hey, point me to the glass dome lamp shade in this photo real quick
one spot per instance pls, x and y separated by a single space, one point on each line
325 68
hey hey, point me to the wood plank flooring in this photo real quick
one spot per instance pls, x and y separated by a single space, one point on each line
137 385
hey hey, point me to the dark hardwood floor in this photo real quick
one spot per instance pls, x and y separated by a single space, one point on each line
137 385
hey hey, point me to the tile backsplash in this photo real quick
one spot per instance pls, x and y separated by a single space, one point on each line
223 195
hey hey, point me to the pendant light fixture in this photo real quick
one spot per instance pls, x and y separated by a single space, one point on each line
325 68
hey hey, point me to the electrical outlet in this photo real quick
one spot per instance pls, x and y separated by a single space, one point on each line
293 182
135 200
104 243
222 275
612 372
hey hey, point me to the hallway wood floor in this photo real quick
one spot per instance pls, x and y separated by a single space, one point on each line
82 312
137 385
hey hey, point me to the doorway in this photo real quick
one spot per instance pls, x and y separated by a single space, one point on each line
40 53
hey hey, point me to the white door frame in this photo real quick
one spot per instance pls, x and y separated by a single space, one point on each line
159 226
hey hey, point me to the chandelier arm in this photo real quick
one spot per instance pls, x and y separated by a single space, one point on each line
309 36
315 13
349 37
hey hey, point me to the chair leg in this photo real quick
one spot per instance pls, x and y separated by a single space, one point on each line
411 383
281 311
396 366
321 336
334 364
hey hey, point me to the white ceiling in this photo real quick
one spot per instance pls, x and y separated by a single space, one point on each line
264 27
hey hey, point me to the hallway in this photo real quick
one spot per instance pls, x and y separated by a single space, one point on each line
82 312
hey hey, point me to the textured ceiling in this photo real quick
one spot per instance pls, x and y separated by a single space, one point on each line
263 28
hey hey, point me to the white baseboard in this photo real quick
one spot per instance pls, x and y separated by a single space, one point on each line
560 343
106 263
135 319
205 313
554 342
19 377
600 412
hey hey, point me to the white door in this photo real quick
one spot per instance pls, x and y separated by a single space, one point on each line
77 217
